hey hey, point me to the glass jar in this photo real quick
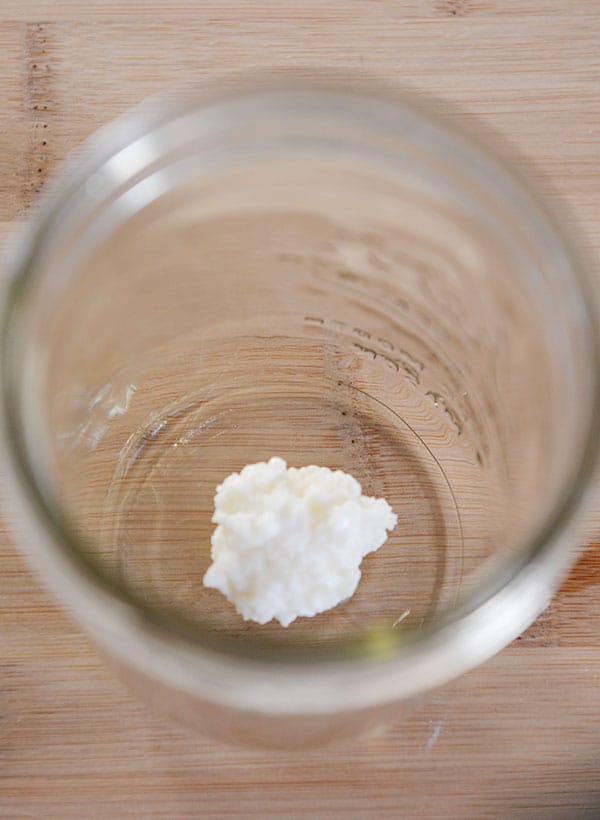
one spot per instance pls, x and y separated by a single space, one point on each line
329 275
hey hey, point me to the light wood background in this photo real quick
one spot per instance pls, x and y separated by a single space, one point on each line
518 737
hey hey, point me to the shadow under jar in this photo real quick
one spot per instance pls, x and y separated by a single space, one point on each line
328 276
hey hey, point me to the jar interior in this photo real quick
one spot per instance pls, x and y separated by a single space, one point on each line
388 313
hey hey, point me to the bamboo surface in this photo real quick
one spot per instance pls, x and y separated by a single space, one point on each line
518 737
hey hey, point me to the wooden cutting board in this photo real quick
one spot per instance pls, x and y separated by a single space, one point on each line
518 737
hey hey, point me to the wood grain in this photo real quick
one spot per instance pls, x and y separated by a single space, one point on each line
518 737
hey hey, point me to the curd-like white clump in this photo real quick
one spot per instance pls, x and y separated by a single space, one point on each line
289 542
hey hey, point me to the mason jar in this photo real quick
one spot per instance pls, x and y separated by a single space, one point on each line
327 274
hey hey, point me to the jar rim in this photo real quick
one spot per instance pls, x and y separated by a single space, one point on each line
377 667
